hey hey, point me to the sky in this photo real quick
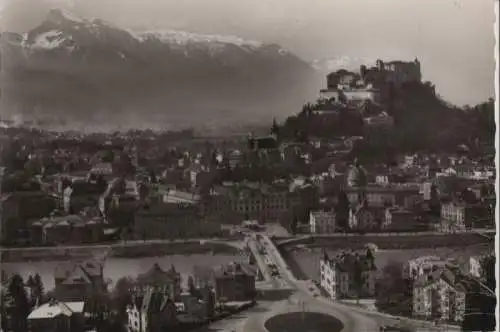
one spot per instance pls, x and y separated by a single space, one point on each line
453 39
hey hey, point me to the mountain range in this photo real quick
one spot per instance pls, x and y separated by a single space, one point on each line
90 72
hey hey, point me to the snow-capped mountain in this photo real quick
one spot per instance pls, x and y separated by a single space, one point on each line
82 67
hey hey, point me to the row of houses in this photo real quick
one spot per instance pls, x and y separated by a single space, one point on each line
362 217
442 288
158 300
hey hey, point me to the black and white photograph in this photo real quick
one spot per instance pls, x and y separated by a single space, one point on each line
248 166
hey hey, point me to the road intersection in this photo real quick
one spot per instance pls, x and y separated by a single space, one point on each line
302 296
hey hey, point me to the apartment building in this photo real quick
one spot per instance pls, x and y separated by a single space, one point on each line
57 316
156 278
442 294
171 220
234 282
322 222
17 208
380 196
415 268
453 214
398 219
151 311
339 275
249 201
76 281
328 276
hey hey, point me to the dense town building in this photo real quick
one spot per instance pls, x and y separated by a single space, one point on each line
322 222
68 229
19 208
343 164
77 281
439 295
234 283
169 282
58 316
348 275
171 220
152 311
250 201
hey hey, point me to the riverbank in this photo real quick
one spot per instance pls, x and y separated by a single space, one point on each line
391 242
187 248
305 263
116 268
131 250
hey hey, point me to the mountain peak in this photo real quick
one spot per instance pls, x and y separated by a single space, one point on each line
183 37
59 16
105 73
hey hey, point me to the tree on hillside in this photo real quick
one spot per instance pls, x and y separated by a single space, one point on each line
481 121
393 293
479 311
307 110
488 268
17 304
3 312
108 156
30 282
192 287
122 296
38 289
35 285
275 129
358 276
435 203
481 307
370 256
342 211
99 305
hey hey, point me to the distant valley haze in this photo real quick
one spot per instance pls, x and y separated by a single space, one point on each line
133 79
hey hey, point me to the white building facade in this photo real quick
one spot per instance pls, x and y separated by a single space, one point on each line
322 222
417 267
328 277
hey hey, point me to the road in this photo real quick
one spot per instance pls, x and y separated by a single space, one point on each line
260 262
354 319
303 298
126 244
296 300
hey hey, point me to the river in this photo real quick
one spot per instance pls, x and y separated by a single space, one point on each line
115 268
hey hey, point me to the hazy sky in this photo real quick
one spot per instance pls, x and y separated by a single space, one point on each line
454 39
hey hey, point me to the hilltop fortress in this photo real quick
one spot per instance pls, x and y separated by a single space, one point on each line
370 83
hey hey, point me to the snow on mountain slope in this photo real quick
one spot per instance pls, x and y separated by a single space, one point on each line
74 28
183 38
91 67
49 40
